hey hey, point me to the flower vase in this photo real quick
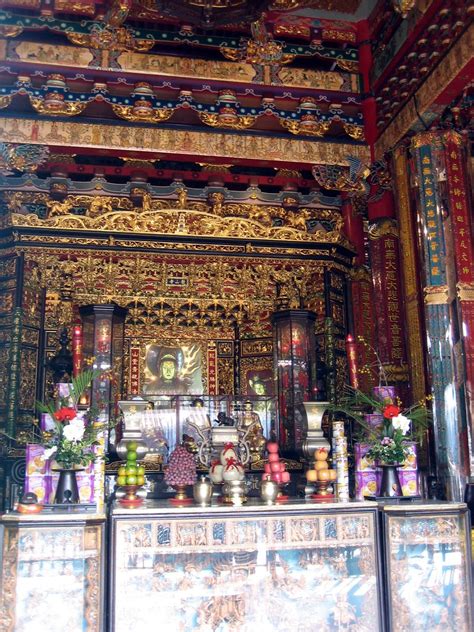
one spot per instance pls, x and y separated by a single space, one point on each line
390 484
67 491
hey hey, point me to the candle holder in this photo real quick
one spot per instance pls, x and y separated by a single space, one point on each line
324 490
181 497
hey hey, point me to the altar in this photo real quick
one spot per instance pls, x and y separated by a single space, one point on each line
336 566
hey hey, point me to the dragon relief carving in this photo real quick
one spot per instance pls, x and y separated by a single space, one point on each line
214 218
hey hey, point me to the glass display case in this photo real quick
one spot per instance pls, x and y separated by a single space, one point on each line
52 573
103 331
428 567
295 365
293 567
167 420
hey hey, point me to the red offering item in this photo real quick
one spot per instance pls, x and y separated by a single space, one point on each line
181 469
177 502
131 503
275 468
276 476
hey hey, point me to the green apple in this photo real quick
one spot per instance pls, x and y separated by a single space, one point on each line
131 469
122 471
140 470
131 455
140 480
121 481
131 479
132 445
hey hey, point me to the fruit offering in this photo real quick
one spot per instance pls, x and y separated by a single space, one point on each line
320 472
275 469
181 469
131 473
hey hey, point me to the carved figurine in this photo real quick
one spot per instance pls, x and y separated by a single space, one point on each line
250 423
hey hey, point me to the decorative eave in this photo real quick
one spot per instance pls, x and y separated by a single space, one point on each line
142 105
456 67
416 50
93 34
254 227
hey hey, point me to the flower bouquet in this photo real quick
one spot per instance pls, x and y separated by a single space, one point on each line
74 433
389 441
71 436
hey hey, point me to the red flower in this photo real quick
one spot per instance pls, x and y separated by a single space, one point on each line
391 411
65 414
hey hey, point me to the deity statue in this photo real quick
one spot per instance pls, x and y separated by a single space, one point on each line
250 420
166 380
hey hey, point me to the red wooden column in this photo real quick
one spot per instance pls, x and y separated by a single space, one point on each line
361 292
368 100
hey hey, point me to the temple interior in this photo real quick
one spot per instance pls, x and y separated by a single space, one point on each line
236 350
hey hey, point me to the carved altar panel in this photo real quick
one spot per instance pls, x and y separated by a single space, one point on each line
238 572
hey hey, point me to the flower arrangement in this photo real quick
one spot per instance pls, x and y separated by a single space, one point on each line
388 441
74 433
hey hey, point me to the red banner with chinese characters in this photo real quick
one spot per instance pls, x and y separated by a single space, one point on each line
363 316
212 381
134 370
385 263
459 208
457 189
77 349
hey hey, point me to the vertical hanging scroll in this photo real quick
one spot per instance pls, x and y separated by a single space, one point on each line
385 262
460 216
212 383
134 368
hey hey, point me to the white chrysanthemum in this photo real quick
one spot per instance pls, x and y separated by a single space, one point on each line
400 422
74 431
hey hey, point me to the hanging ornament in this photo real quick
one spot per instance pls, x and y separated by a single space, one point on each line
403 6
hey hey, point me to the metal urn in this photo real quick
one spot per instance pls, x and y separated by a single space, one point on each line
202 491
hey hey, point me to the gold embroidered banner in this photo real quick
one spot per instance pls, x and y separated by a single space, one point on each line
410 275
166 141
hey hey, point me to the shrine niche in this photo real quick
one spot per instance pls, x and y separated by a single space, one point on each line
174 368
234 264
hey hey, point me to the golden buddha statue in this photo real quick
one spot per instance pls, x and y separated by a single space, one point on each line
250 421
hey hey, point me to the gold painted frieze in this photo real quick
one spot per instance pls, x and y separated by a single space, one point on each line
164 141
171 66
